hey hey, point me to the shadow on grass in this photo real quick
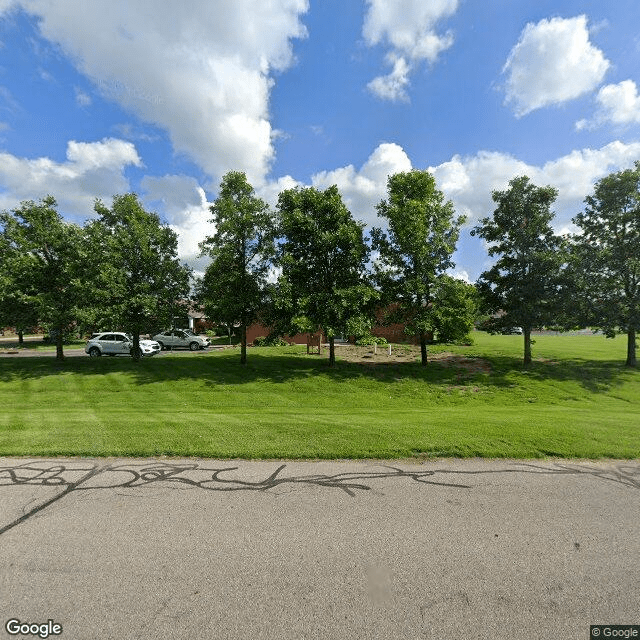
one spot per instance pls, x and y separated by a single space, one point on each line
595 376
224 368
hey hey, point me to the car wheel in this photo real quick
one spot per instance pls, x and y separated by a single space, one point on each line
162 347
194 346
94 352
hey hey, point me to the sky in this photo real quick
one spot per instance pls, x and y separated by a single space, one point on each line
162 99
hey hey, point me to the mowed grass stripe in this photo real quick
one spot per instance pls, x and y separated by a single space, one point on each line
285 404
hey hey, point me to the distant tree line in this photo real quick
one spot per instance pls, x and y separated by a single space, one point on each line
307 265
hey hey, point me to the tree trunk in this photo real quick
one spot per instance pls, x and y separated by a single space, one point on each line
332 351
631 348
59 348
423 348
136 345
20 337
527 346
243 344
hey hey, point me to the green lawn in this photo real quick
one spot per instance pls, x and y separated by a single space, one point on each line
577 400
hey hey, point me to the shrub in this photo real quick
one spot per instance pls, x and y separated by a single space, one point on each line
271 341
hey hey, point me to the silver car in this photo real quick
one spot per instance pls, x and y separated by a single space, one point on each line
181 338
116 343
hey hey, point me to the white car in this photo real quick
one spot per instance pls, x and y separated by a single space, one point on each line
181 338
117 343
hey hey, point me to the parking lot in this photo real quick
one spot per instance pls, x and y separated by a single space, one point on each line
8 349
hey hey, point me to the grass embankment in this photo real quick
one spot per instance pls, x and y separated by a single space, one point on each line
577 400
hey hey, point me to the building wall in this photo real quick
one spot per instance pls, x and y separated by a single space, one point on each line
256 330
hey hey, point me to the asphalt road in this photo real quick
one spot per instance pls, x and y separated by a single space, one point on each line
328 550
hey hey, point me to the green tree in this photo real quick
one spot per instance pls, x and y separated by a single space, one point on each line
322 256
44 261
234 284
415 250
608 256
18 310
137 277
524 286
455 309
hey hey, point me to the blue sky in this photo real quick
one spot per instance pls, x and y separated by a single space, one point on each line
102 98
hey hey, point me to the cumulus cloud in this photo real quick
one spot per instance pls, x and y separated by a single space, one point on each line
270 191
92 169
409 28
618 104
362 189
469 181
183 205
553 62
202 74
392 86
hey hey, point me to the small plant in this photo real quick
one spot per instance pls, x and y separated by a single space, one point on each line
366 341
271 341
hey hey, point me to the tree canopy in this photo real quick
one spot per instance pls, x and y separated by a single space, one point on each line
608 256
234 284
322 256
44 277
523 287
138 279
422 232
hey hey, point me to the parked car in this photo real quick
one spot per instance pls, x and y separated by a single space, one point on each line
511 331
116 343
181 338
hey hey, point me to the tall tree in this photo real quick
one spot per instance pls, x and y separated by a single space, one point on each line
234 284
422 232
138 278
525 283
44 275
322 256
608 255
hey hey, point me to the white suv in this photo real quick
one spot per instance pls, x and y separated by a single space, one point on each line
116 343
181 338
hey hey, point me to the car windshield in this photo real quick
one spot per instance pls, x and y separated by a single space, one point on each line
189 332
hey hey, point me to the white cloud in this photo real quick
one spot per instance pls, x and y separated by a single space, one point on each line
460 274
618 104
362 190
92 169
185 208
469 181
392 86
409 27
552 62
270 191
82 99
202 74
